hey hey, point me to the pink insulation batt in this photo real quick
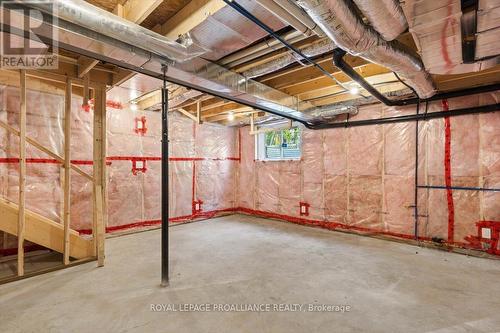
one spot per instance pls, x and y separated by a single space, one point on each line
363 178
203 163
360 179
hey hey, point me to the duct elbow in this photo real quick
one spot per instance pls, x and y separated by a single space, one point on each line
385 16
344 26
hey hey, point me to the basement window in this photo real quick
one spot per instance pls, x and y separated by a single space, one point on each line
279 145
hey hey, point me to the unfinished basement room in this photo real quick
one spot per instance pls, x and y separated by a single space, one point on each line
268 166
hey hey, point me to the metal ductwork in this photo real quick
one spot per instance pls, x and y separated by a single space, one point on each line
105 23
339 20
318 48
385 16
88 30
293 15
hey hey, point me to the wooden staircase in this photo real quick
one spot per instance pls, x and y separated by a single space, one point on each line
43 231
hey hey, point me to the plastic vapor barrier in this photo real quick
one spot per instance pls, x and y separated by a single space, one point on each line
363 178
203 160
360 179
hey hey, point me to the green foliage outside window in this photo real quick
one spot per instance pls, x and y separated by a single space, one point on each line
282 144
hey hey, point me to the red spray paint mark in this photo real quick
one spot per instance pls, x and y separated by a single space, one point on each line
193 188
330 225
304 208
488 237
109 104
140 125
139 165
450 21
147 223
447 173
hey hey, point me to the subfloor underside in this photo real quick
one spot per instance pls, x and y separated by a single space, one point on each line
242 260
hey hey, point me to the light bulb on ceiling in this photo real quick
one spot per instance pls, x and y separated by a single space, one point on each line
354 90
230 116
133 106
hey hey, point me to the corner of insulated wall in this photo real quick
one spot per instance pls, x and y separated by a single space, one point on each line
362 179
203 163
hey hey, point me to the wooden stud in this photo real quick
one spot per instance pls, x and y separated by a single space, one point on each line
104 175
99 197
22 176
47 151
198 112
67 170
86 90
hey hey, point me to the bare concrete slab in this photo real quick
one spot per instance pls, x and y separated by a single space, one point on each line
243 261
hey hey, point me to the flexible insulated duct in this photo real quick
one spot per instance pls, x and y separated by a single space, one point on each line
318 48
88 30
338 19
385 16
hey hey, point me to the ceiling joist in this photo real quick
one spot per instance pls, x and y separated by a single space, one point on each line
189 17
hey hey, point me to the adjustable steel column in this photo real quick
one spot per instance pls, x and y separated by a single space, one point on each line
164 181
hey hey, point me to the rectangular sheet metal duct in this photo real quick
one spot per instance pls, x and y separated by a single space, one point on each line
126 45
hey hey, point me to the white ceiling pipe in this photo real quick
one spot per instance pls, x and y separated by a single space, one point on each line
260 49
265 51
385 16
300 15
285 16
318 48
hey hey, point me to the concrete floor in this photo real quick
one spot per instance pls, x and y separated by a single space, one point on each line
390 287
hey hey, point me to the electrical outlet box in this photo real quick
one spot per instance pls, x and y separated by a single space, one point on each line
138 166
486 233
304 208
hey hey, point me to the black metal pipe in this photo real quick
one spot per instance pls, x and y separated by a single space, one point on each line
164 181
339 62
415 209
464 92
413 117
464 188
271 32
